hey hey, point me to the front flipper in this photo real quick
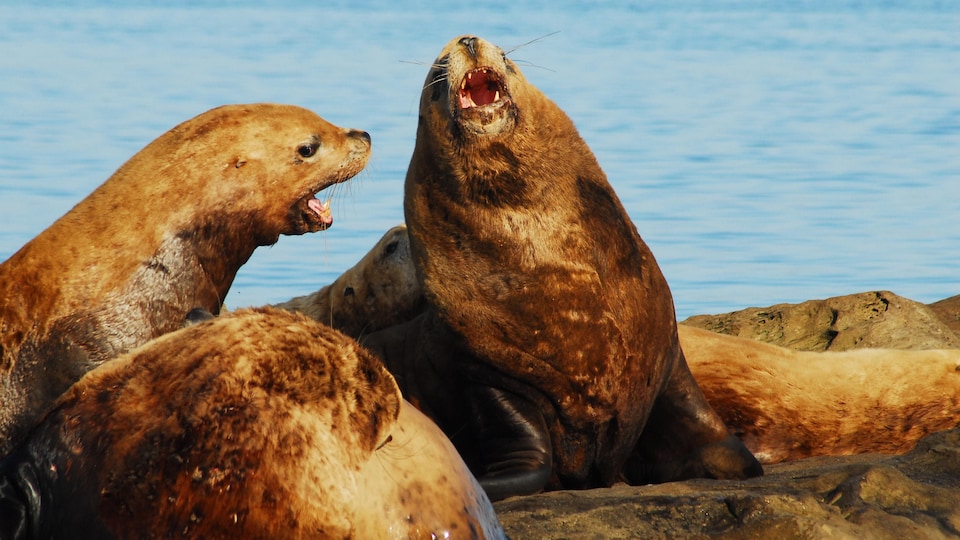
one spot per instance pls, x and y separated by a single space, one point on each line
20 501
514 451
685 438
45 492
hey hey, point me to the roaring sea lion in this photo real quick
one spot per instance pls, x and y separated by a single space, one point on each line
549 326
786 404
381 290
165 234
256 424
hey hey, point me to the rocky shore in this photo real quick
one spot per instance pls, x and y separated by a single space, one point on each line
915 495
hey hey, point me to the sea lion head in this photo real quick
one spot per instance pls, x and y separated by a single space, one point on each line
257 166
380 291
472 85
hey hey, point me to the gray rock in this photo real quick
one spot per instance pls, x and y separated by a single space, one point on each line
869 319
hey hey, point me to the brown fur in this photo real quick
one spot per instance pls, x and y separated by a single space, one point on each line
788 405
784 404
381 290
538 285
165 234
256 424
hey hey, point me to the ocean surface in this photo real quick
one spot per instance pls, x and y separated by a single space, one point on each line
767 151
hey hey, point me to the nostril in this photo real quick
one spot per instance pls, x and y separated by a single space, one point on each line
348 291
362 134
470 43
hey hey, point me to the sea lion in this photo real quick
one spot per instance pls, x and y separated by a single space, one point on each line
381 290
256 424
549 326
165 234
838 403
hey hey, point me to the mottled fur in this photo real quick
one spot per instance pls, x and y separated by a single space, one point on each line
165 234
255 424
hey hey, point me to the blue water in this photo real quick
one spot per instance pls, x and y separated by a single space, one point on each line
768 153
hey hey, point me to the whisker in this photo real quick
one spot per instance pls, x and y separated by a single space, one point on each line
534 40
433 82
531 64
419 63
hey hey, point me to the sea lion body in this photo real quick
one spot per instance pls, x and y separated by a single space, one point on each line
548 318
165 234
255 424
787 405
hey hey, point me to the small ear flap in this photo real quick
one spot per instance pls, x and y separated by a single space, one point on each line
240 162
196 316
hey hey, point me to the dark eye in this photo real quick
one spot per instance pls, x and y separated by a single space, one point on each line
308 150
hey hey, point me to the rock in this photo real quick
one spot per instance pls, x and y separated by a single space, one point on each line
870 319
916 495
948 310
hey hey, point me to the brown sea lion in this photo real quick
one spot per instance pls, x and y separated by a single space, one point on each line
255 424
381 290
165 234
789 405
549 326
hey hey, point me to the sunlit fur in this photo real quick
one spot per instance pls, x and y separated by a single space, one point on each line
787 404
165 234
255 424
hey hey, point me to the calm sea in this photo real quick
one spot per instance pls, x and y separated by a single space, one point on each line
768 151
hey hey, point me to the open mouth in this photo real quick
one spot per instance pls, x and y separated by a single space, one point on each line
321 210
480 87
310 214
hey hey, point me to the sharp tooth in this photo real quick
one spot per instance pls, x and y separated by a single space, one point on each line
496 97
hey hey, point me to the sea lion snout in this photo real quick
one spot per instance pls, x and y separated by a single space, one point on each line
469 43
360 140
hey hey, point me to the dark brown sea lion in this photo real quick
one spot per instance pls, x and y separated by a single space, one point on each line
165 234
548 352
255 424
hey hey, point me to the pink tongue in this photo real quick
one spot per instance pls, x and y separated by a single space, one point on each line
321 209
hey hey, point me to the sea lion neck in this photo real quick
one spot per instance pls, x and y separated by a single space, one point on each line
220 246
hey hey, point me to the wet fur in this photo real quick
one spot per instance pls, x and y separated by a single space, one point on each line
255 424
165 234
